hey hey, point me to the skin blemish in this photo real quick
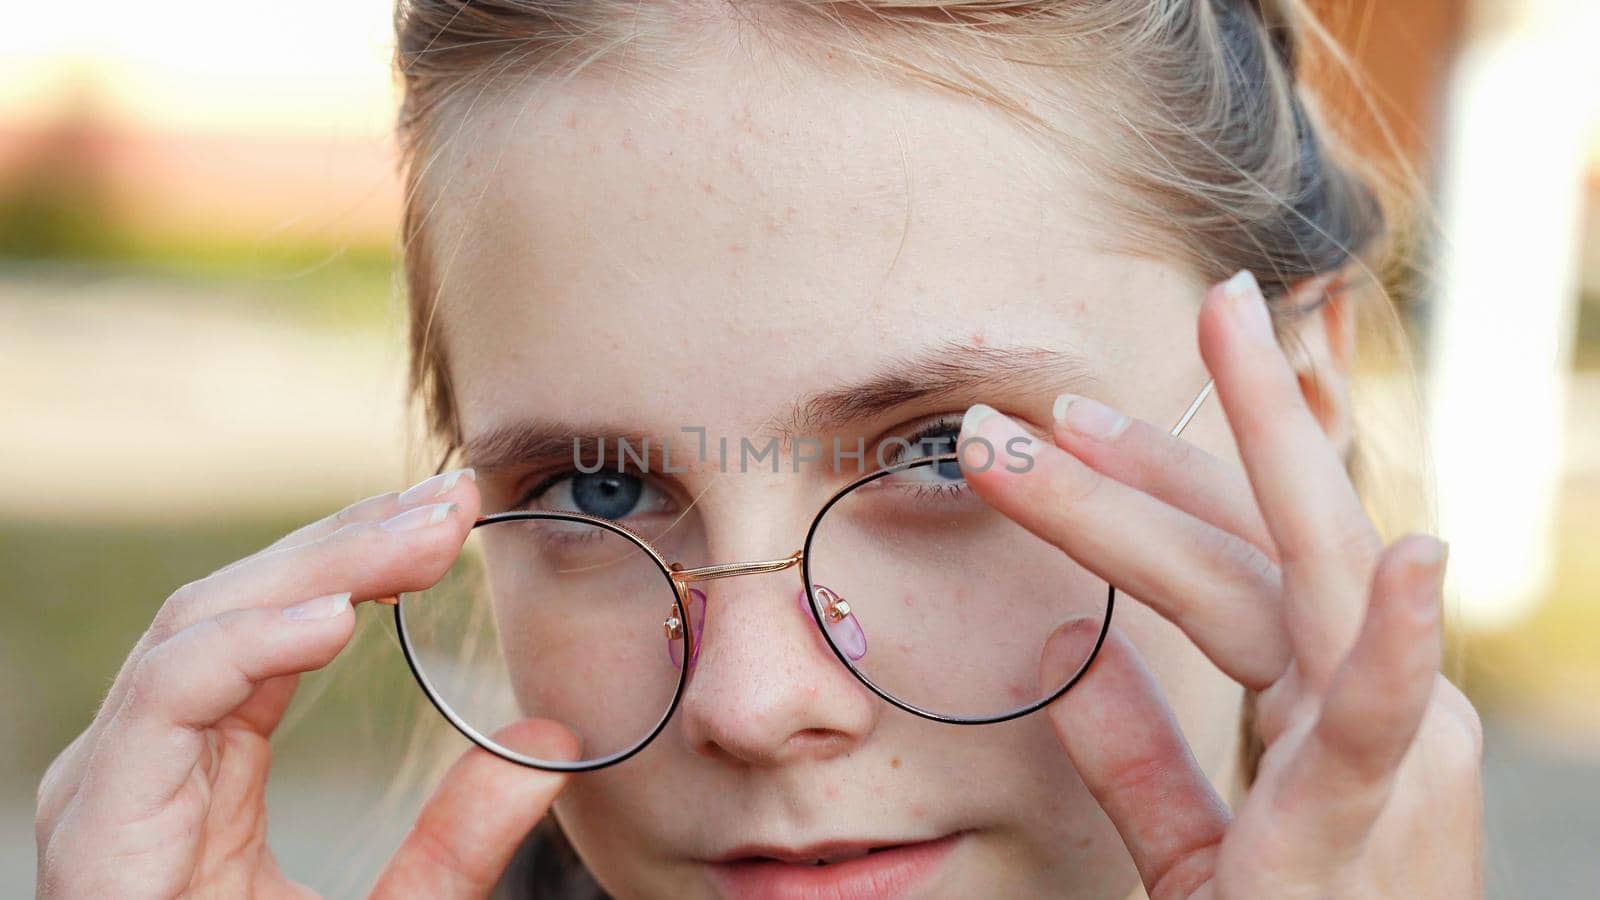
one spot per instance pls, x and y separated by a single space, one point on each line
572 120
708 187
910 600
735 248
894 763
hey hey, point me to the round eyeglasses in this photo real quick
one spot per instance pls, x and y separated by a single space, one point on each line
936 602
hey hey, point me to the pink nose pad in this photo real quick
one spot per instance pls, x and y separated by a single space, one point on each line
843 627
697 620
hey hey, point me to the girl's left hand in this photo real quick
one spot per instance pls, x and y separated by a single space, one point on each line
1370 785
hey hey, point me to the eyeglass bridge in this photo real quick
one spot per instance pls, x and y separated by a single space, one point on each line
837 609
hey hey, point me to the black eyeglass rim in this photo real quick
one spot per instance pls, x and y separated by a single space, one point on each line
891 699
486 743
482 740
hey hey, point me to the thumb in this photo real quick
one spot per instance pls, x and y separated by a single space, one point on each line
472 824
1121 736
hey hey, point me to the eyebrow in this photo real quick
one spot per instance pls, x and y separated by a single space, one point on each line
943 372
946 371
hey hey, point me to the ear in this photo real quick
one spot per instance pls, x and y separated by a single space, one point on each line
1321 346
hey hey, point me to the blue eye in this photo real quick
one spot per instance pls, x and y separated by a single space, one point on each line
938 439
608 495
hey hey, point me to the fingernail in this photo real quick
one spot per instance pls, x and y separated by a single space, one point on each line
1249 306
433 487
318 608
1432 553
1089 418
974 417
1430 562
990 436
421 517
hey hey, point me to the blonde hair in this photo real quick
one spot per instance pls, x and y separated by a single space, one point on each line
1201 131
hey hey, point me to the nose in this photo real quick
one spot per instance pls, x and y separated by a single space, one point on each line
764 689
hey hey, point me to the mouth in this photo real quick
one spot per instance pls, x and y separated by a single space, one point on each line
838 870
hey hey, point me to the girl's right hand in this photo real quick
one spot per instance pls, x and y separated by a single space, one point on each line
163 793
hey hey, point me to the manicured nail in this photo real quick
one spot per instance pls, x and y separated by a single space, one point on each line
974 417
1427 574
1090 418
1002 440
318 608
1432 553
1249 306
429 488
421 517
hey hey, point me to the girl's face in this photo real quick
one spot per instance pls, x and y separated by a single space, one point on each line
728 251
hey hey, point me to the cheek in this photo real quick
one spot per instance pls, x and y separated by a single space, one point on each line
616 818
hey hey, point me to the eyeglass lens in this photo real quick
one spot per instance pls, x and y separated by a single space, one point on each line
935 600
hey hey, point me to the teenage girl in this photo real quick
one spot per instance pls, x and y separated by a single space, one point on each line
1054 220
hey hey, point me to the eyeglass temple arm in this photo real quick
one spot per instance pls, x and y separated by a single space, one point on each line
1199 400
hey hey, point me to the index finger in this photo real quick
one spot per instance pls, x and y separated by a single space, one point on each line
371 509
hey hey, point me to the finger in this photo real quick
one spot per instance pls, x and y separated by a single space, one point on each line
1326 543
1122 738
434 489
59 784
409 551
1217 587
1338 780
468 830
188 683
1162 465
231 586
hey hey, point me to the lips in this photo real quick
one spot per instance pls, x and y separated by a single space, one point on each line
830 871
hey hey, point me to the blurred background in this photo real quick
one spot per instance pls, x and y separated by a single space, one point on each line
201 347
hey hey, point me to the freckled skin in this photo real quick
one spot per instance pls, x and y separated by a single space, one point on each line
590 276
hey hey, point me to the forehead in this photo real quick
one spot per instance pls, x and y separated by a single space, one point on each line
722 241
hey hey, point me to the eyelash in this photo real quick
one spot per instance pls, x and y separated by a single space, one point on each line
942 426
544 484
